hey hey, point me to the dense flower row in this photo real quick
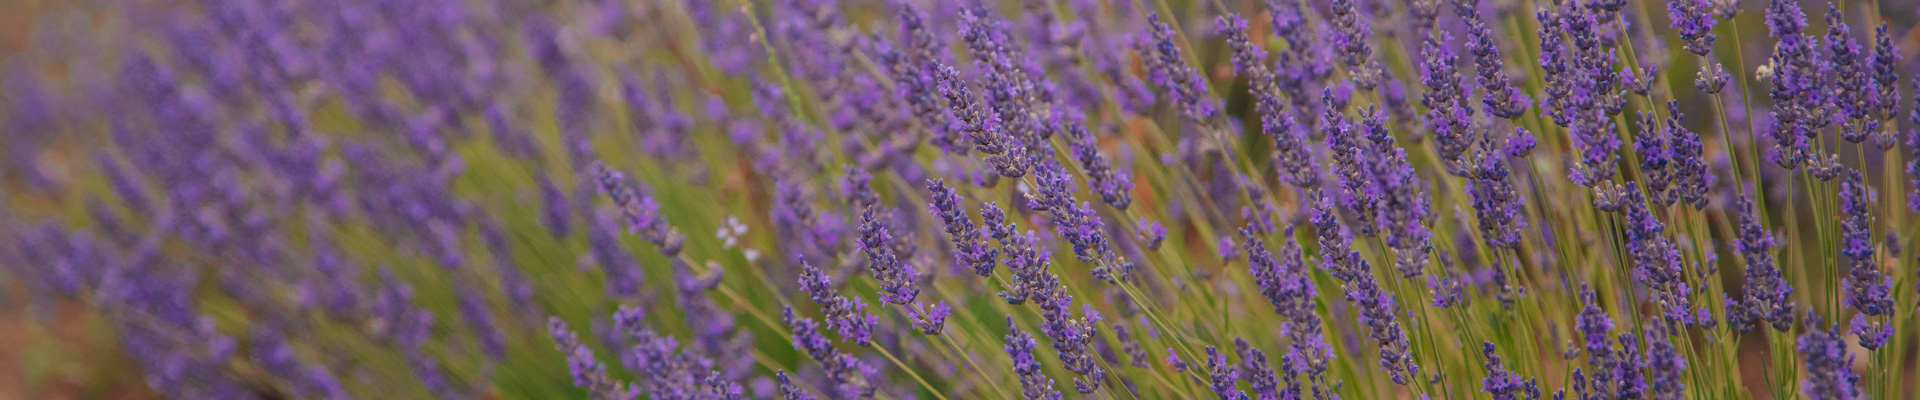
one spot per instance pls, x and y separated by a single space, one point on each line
971 199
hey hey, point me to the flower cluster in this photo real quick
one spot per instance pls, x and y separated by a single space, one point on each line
918 199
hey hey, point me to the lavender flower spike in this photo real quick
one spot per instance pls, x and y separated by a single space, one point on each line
896 276
1829 366
1168 68
1034 385
1501 383
641 212
587 371
969 242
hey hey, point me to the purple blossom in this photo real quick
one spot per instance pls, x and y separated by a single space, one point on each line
1866 288
847 316
1873 332
787 389
1222 375
982 125
1349 34
1656 258
896 276
663 369
1800 105
556 213
1034 385
930 321
641 212
587 370
969 242
272 354
1496 199
1403 203
1694 20
1167 68
1500 96
1829 367
478 316
1377 308
1449 115
1886 94
1074 220
1765 291
1501 383
848 374
1664 366
623 273
1691 177
1114 185
1712 78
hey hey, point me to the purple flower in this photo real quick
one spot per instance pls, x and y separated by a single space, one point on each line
1829 367
272 354
1350 33
1846 72
788 390
587 371
1691 178
1136 355
1765 291
1034 385
1014 90
1075 220
1711 79
1656 258
982 125
1173 360
1259 376
969 242
896 276
1654 159
641 212
1222 376
479 318
1167 67
1377 309
856 186
623 273
1403 204
1350 167
1873 332
1500 96
1886 94
1694 20
1800 106
1664 365
930 322
1866 288
1593 324
1496 199
663 369
847 316
131 188
848 374
1115 186
1449 116
1501 383
557 214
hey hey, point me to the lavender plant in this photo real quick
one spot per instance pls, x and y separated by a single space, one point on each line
911 199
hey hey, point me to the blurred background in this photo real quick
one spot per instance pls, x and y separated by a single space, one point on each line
69 356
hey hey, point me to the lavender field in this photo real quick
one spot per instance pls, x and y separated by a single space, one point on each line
960 199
